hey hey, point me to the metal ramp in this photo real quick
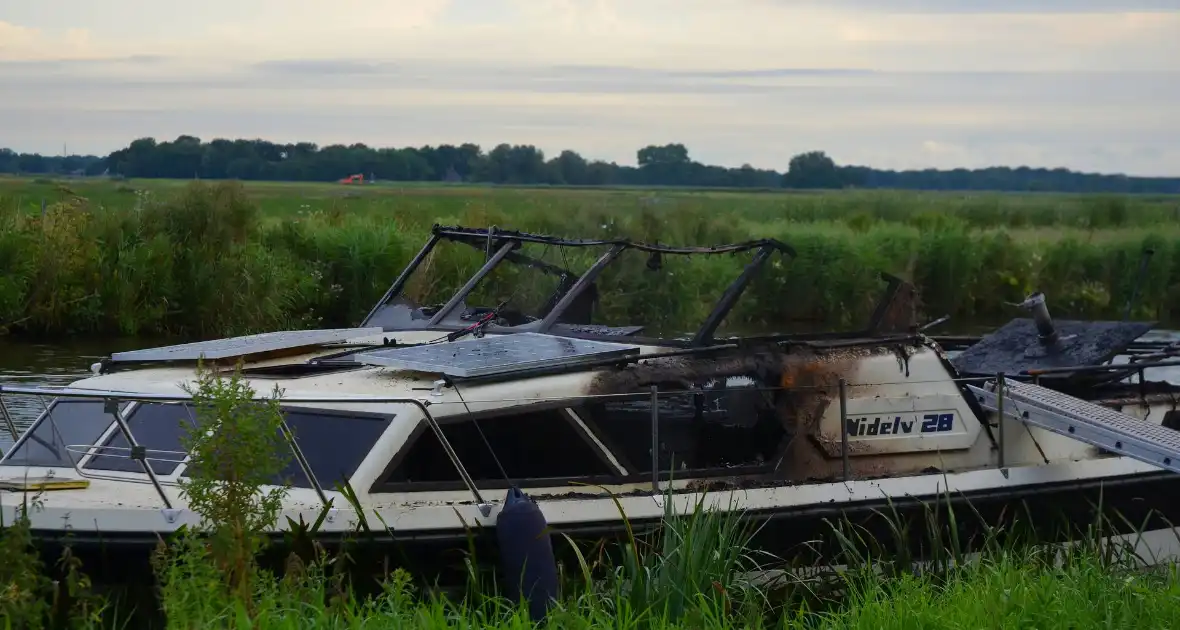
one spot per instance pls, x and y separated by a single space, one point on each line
1085 421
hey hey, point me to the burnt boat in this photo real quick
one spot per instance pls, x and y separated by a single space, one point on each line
431 412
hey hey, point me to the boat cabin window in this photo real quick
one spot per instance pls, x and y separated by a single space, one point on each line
333 442
158 428
723 430
535 448
718 429
76 423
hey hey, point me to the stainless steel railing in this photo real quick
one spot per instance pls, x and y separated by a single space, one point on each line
113 398
423 404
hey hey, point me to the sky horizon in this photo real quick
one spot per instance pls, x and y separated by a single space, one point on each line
1089 85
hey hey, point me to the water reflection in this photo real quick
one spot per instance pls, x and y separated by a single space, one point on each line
47 365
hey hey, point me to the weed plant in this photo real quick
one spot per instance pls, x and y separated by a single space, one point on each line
238 453
34 596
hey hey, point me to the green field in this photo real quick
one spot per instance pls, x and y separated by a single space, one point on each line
177 257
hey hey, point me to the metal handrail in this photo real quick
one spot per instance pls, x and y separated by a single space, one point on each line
69 392
112 407
8 420
422 405
302 460
91 449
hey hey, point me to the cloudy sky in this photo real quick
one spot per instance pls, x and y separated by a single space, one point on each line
1086 84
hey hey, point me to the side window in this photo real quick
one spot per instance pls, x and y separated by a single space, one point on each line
157 427
541 445
728 426
66 423
333 442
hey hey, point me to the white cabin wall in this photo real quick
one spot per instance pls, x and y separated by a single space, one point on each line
880 387
900 406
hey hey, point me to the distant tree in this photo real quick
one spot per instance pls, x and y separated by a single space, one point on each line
813 169
669 164
32 163
665 155
9 161
666 165
572 168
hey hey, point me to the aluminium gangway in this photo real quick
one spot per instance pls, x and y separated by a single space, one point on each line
1084 421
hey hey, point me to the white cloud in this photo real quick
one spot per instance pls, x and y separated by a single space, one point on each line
659 33
1085 83
24 43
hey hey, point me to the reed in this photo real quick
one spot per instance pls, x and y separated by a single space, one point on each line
201 260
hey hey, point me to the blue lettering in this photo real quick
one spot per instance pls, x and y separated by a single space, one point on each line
930 423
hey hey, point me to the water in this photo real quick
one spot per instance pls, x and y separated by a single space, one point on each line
55 364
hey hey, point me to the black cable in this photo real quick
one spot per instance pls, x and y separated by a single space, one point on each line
486 442
503 473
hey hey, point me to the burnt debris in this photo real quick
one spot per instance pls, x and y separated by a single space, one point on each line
1023 345
1046 333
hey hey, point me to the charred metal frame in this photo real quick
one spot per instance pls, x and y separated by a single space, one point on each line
704 335
583 282
399 283
505 242
469 286
891 291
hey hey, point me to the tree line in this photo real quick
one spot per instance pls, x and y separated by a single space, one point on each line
189 157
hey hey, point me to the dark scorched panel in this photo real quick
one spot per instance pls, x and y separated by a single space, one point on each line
1015 348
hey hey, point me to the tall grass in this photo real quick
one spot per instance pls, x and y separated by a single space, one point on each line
204 260
424 201
696 570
